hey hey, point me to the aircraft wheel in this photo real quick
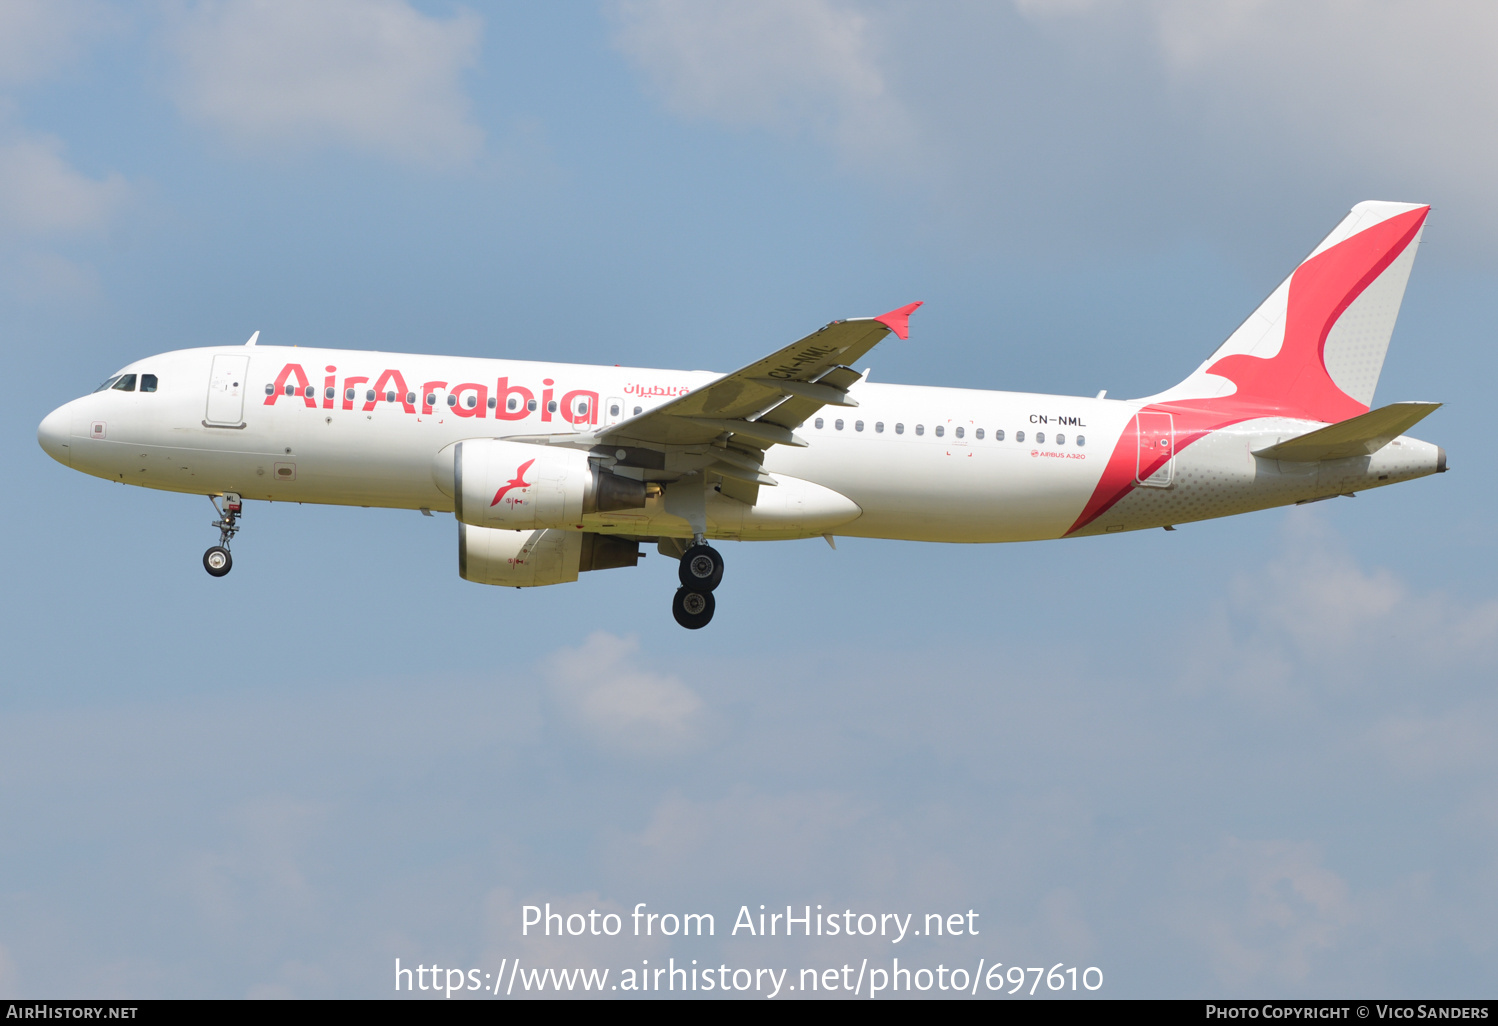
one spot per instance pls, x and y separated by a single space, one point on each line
701 568
217 561
692 609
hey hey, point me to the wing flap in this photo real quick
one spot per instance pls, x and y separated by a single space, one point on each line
746 492
1362 435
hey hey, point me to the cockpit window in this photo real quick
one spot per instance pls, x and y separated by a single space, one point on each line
108 382
148 382
126 383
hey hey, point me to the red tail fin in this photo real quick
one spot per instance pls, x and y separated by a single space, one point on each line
1314 349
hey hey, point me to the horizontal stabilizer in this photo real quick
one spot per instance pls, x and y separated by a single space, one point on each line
1362 435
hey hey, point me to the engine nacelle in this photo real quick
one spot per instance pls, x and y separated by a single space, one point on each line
518 486
530 559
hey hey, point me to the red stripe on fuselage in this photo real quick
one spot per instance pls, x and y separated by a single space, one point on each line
1123 469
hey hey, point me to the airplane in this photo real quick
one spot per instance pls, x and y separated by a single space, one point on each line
552 469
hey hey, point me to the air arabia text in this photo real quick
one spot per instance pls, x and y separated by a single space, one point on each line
503 400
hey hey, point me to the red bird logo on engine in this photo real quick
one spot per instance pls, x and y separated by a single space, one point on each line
518 481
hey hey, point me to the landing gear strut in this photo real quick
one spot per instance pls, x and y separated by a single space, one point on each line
700 572
217 560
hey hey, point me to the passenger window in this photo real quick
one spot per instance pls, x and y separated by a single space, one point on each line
878 427
1040 438
858 425
125 384
309 392
818 423
390 396
431 399
636 413
108 382
613 410
959 432
493 402
1081 441
920 429
513 404
551 407
348 393
838 423
369 396
899 429
148 382
410 398
998 436
452 400
940 430
329 392
1019 436
269 389
1060 439
531 405
290 388
471 401
979 433
582 410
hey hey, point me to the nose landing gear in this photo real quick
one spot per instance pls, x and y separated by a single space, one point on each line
217 560
700 572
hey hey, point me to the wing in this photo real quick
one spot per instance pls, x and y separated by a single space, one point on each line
740 415
766 400
723 428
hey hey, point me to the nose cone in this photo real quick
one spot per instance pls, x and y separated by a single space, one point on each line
53 433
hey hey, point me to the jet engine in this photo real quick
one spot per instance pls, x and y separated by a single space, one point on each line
529 559
518 486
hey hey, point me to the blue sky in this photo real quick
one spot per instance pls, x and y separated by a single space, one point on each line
1250 757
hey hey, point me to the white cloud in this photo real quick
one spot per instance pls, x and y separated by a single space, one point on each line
785 65
598 688
1038 122
37 36
40 192
372 74
1311 621
548 942
1400 91
1409 83
259 872
1264 911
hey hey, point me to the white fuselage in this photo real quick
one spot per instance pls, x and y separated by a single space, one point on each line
919 463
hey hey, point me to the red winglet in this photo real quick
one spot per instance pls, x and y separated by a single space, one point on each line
898 321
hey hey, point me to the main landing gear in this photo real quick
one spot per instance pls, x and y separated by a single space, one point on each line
700 572
217 560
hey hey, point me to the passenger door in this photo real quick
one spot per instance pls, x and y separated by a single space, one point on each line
226 389
1157 441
